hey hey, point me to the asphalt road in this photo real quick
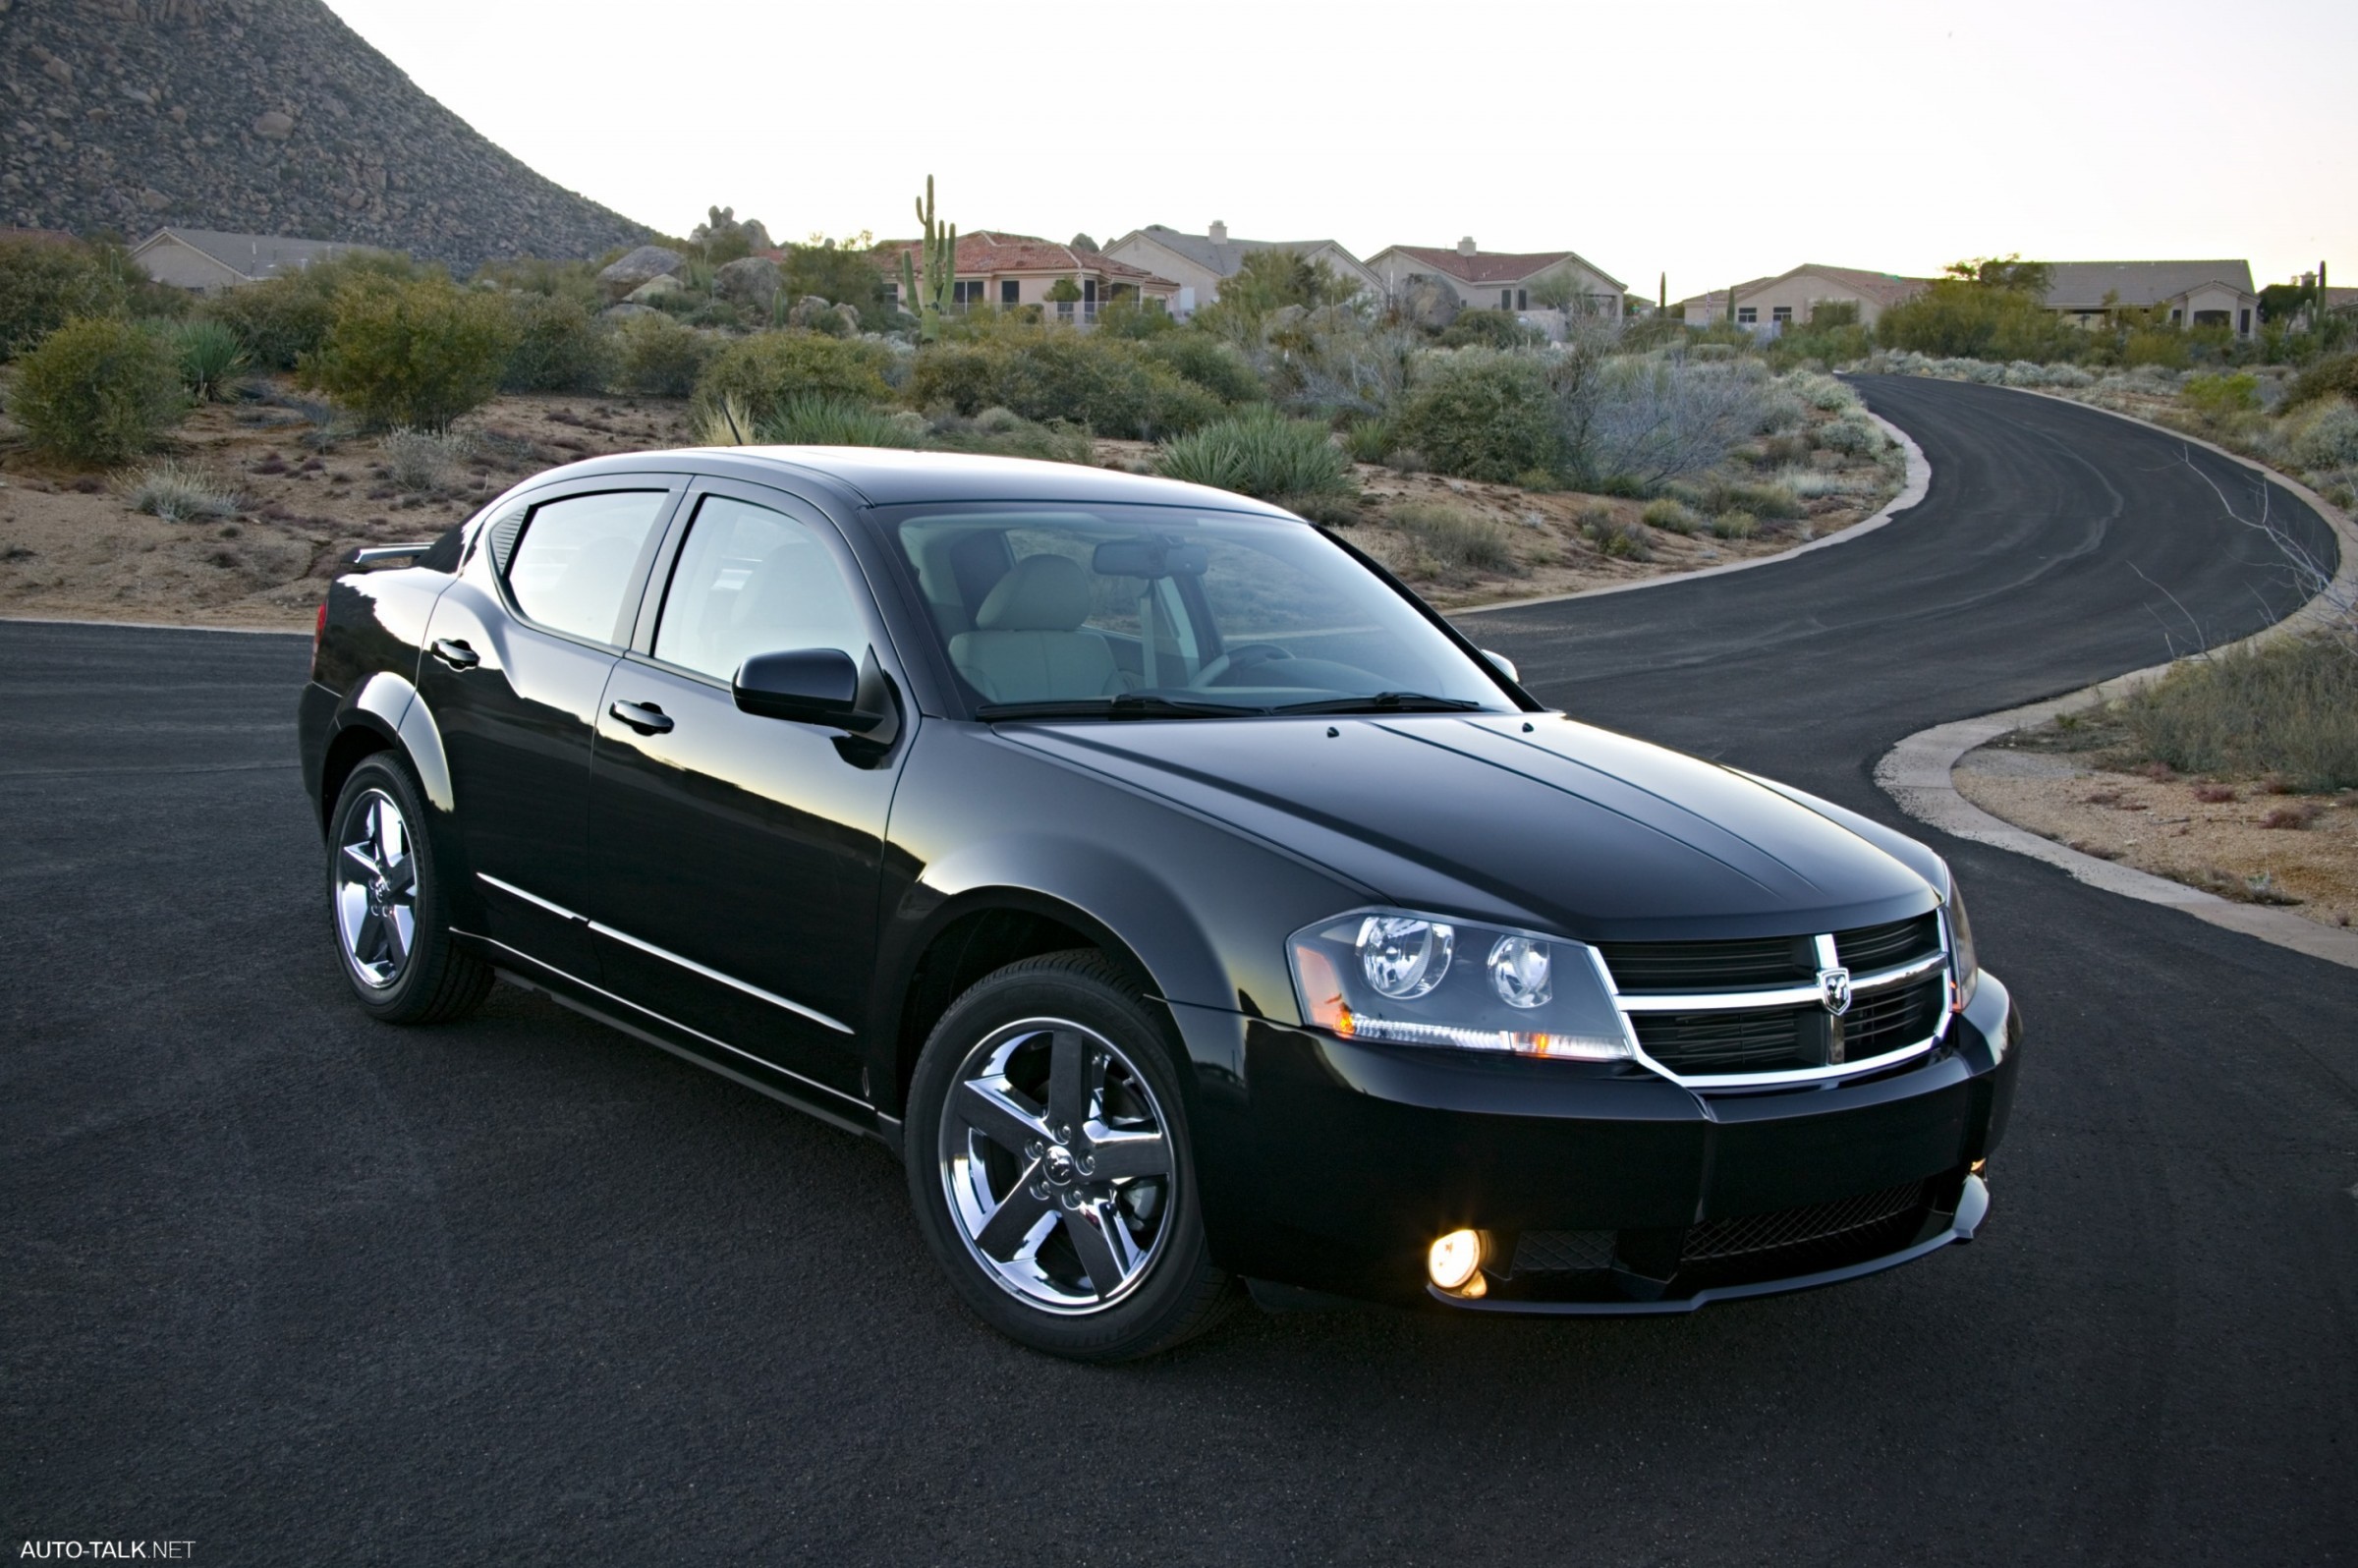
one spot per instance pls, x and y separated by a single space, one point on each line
304 1290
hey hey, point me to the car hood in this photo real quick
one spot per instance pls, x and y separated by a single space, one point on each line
1530 820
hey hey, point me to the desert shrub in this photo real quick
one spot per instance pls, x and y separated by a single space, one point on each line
1002 432
2288 708
1616 540
1852 436
560 347
1207 360
1641 423
1259 452
46 283
1734 526
812 419
2326 439
1495 329
1825 394
1483 415
284 318
2156 346
421 461
97 390
209 355
1670 516
576 281
766 370
654 355
2336 375
1779 409
1452 542
962 378
840 271
1047 374
1126 315
1960 319
1369 440
176 493
416 354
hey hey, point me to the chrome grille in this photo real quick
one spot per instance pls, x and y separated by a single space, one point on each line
1873 947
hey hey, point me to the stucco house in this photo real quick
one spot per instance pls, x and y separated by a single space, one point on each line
2191 293
1787 300
1199 262
1500 280
1002 271
208 261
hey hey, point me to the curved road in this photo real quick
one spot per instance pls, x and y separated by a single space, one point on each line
301 1290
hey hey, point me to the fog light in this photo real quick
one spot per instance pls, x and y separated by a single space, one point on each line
1454 1260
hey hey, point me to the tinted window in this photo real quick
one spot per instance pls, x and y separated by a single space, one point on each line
753 580
570 570
1255 613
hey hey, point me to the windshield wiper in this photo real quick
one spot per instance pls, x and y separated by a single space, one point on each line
1386 703
1121 705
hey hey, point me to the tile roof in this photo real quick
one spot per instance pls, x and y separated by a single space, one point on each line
253 256
1884 288
1224 256
1497 266
2139 284
987 251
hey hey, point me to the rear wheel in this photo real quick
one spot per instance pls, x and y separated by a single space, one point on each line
1050 1167
386 906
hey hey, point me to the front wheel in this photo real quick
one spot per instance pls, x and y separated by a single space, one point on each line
385 903
1050 1167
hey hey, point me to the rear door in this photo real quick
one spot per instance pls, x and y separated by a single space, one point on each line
518 653
736 859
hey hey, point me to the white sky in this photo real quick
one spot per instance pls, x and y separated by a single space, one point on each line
1717 142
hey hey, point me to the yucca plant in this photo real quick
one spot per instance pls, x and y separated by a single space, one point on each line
210 353
1259 452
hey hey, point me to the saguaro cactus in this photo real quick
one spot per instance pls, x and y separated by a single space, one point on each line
926 286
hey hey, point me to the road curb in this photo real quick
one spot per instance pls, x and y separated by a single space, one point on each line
1912 490
1919 773
151 626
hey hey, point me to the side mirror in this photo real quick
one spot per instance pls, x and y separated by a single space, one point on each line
818 686
1504 666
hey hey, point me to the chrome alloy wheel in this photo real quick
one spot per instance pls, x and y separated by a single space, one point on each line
377 888
1057 1162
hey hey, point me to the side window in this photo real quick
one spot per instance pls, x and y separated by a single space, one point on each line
570 570
753 580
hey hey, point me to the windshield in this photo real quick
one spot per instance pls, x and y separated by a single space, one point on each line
1156 612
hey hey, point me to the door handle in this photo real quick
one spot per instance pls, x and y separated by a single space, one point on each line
645 717
455 653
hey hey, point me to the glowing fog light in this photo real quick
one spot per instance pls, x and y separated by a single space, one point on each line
1403 959
1454 1260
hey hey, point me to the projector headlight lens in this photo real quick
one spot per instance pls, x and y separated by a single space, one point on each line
1519 972
1404 957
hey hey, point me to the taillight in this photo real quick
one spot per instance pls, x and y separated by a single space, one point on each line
318 631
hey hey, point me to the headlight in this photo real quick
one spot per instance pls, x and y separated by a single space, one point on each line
1421 980
1960 945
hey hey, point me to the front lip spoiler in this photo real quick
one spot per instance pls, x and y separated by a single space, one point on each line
1973 1207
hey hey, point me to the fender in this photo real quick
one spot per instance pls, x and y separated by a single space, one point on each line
402 716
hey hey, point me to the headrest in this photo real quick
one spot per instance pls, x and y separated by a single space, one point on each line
1041 594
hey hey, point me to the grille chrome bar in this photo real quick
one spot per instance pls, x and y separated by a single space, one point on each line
1781 996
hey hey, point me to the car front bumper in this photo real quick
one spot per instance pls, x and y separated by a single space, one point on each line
1331 1165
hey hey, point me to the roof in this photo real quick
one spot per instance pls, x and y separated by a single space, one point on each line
1715 299
1884 288
2137 283
1498 266
987 250
1223 256
888 477
252 256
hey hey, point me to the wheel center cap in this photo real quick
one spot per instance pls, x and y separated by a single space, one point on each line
1058 1163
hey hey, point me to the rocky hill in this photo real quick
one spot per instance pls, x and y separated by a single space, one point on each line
261 116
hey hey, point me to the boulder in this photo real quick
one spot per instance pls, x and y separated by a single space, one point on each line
627 312
655 289
648 262
750 280
815 315
1428 303
275 126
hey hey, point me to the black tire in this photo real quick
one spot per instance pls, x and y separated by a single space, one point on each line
1176 1292
433 981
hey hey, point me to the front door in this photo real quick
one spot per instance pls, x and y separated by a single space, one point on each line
737 857
517 652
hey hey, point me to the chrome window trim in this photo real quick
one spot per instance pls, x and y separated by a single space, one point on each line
669 957
1785 996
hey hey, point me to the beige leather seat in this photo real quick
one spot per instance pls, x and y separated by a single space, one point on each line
1028 646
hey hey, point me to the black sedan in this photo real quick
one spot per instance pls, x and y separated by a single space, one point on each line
1179 896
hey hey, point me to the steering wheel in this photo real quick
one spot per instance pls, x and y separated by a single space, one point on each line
1242 656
